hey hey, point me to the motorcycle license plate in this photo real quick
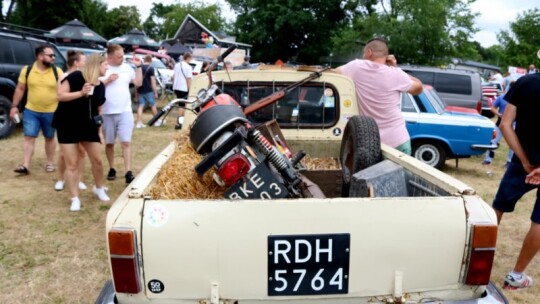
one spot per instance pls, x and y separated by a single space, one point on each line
259 184
308 264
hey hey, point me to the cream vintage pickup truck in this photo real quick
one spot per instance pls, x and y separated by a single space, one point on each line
396 231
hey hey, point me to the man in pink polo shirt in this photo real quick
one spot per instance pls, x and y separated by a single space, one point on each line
379 82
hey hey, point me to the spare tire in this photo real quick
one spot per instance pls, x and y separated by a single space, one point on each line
211 123
360 148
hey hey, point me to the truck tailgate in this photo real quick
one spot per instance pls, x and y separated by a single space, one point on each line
407 244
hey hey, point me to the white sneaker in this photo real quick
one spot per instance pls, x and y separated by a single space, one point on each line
157 123
100 193
59 186
75 204
82 186
140 125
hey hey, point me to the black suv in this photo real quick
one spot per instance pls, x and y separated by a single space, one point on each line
17 50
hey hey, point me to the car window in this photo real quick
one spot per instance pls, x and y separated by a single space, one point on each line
6 55
420 104
454 84
23 52
59 59
306 106
407 105
435 100
425 77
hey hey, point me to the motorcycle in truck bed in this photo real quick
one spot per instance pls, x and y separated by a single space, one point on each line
383 228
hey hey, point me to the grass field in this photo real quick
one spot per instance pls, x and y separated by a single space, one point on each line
51 255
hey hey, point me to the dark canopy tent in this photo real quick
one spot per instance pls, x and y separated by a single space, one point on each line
189 34
135 39
76 33
176 49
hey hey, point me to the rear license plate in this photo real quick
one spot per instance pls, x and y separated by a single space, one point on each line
316 264
260 184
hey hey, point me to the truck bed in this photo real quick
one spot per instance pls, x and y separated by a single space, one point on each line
411 248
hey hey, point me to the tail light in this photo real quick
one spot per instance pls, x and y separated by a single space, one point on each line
479 106
124 263
481 255
233 168
494 134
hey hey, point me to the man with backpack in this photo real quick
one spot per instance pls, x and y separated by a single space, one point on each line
39 82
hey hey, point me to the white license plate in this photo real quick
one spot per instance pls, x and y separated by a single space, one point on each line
315 264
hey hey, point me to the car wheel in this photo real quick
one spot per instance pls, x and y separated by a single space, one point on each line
6 124
430 153
360 148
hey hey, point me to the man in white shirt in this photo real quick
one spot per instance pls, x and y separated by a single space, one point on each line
181 83
116 111
497 77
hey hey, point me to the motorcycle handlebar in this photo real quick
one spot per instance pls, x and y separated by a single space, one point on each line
166 109
221 57
156 117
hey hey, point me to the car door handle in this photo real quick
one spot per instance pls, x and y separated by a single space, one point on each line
412 121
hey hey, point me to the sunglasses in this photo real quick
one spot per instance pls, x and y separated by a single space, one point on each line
50 55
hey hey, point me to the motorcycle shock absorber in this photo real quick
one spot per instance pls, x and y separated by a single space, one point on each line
274 157
279 162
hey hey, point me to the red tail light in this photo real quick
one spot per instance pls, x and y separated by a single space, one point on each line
479 106
124 263
494 134
233 169
482 253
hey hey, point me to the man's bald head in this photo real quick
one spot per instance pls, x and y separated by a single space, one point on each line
376 48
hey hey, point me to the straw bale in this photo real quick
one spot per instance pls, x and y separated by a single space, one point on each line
178 179
321 163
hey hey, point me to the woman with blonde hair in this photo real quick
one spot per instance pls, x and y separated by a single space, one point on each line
77 120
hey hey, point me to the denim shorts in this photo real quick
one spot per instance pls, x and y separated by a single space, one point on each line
512 188
34 121
147 98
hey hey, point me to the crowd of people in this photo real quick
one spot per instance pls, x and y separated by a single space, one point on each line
86 106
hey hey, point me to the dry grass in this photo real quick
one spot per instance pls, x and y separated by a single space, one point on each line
50 255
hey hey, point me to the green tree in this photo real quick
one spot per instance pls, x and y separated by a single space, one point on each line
522 42
209 15
94 16
153 25
418 32
120 20
45 14
288 29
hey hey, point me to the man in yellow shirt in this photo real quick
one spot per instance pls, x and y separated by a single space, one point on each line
41 86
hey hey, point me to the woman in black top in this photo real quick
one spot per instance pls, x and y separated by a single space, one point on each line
76 120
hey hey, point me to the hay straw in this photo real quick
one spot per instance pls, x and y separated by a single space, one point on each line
321 163
178 179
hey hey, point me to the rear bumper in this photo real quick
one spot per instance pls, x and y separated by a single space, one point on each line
107 294
484 147
492 296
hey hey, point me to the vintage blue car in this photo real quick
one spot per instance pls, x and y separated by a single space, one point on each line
438 132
